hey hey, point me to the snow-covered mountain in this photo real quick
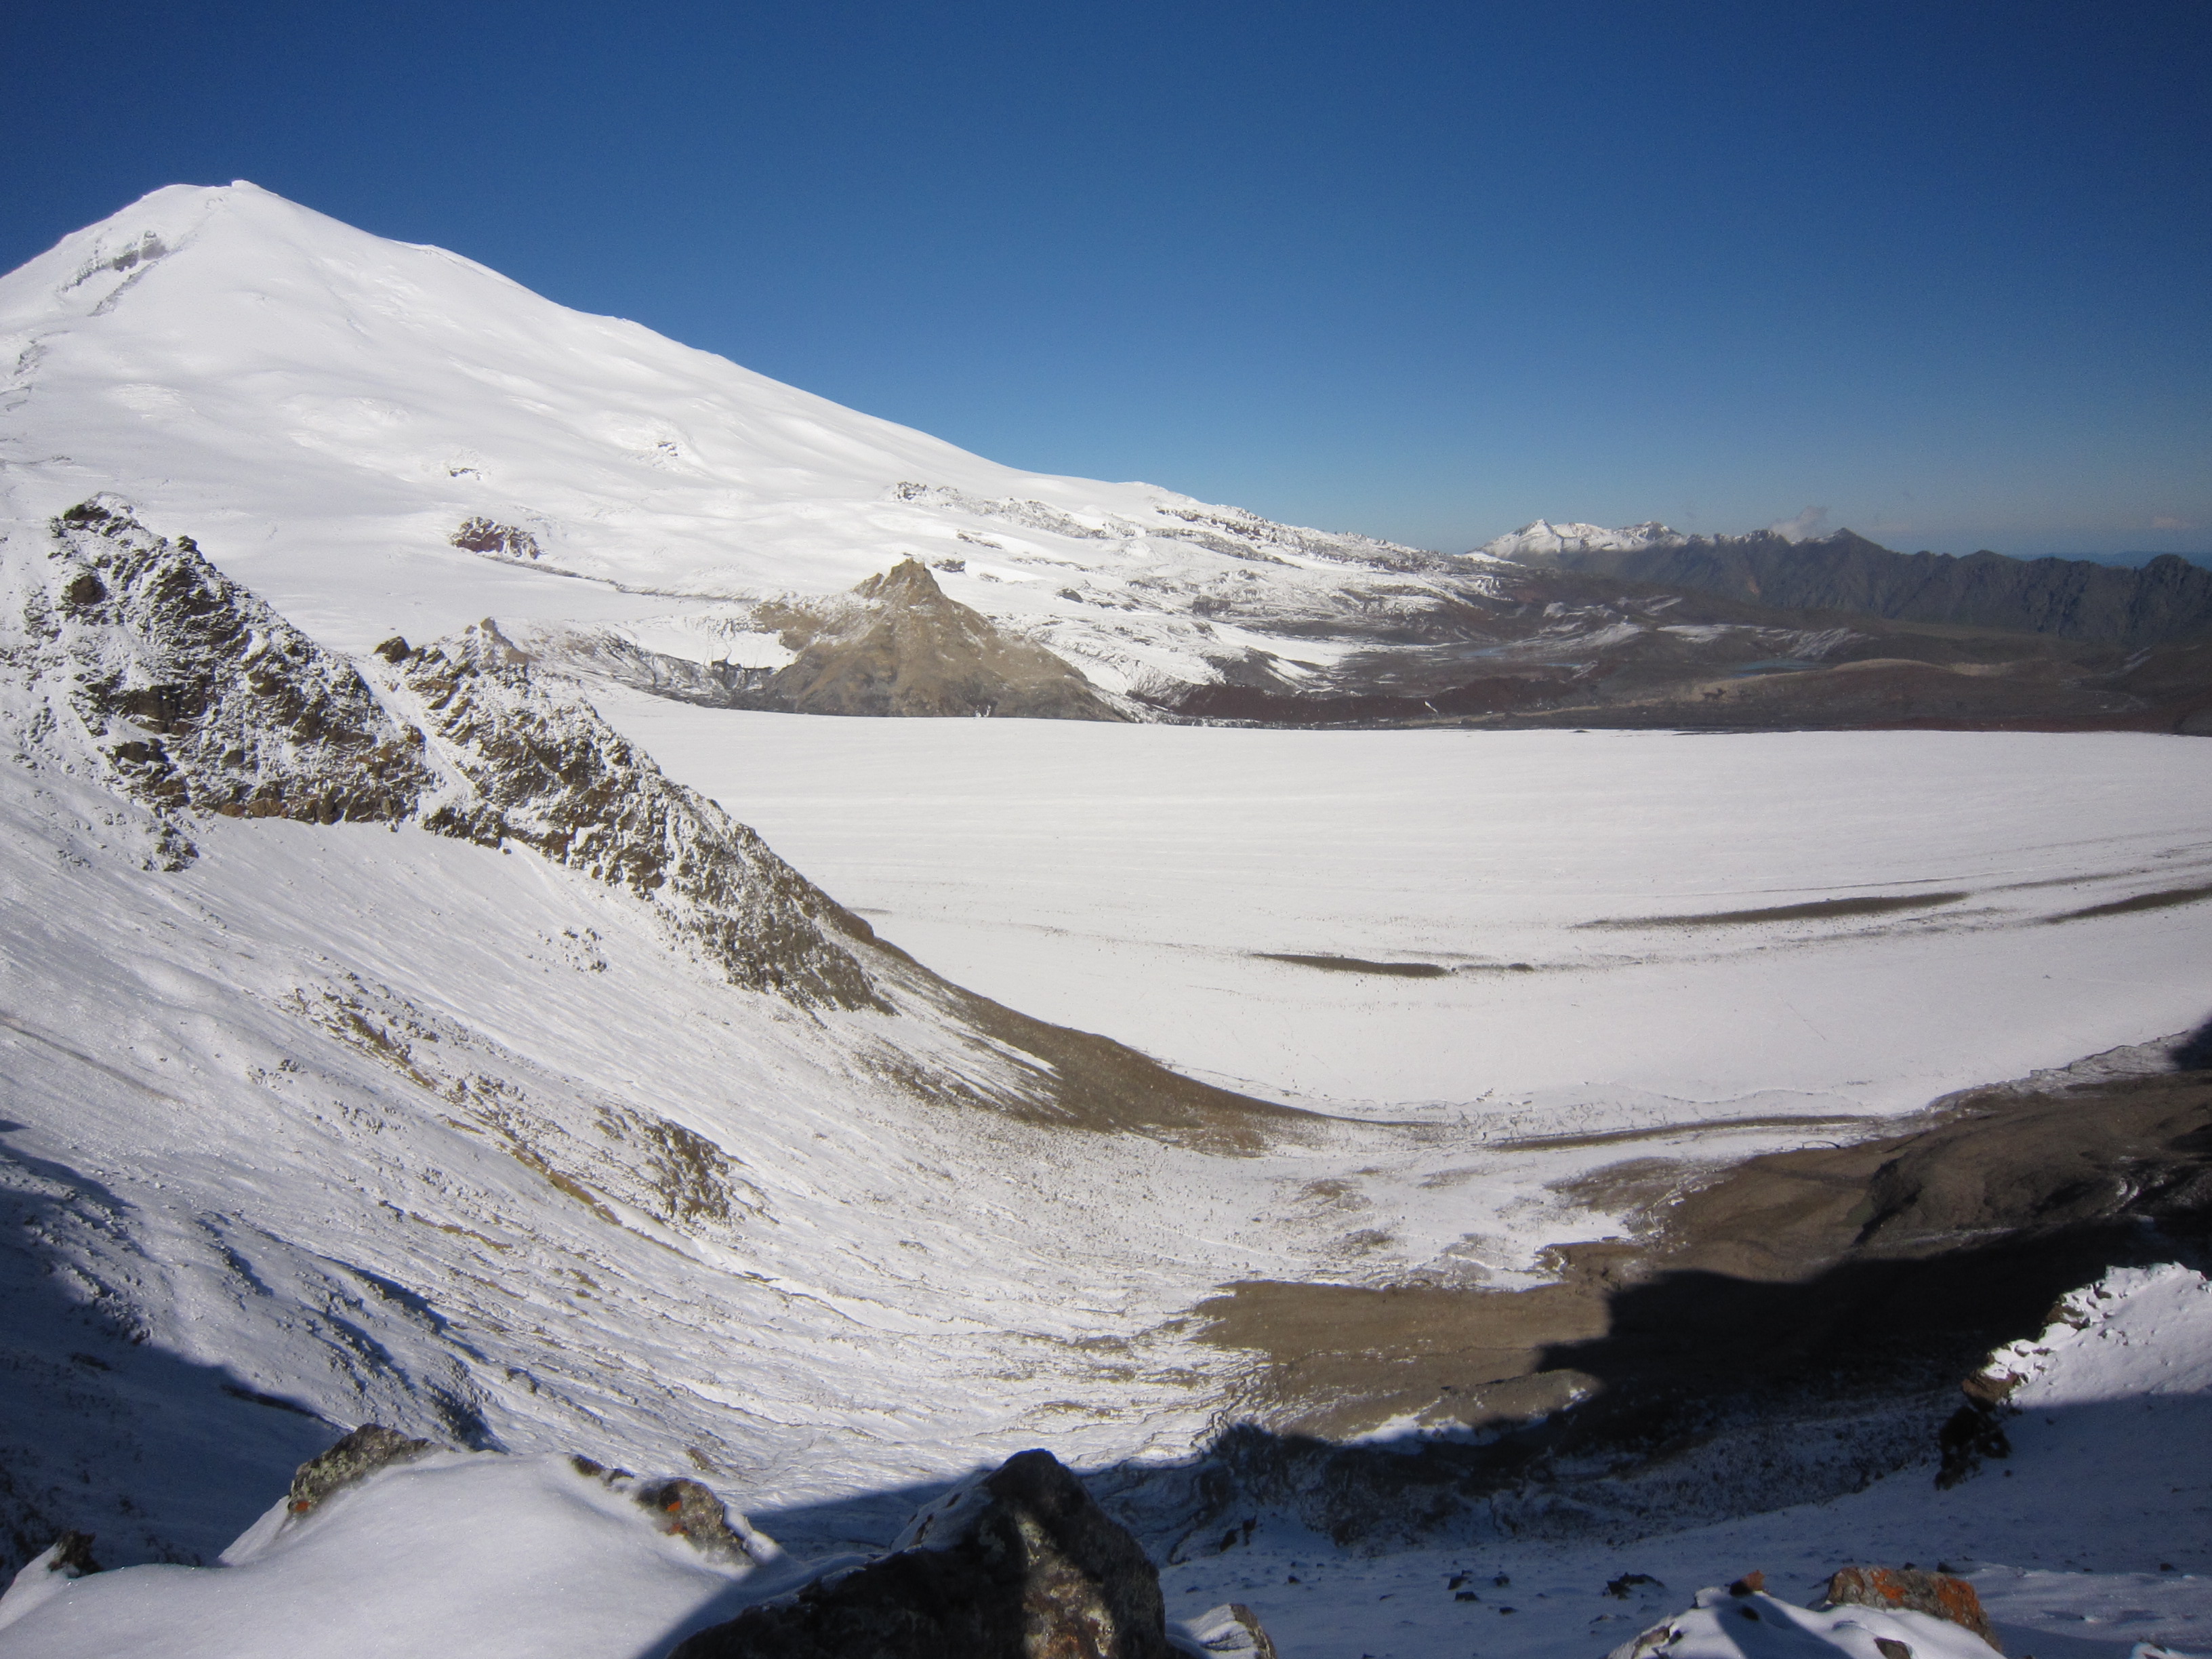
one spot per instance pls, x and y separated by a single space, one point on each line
381 438
1543 539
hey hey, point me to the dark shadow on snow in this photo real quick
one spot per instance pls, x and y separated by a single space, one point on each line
100 1432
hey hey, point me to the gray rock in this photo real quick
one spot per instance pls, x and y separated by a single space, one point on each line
693 1512
369 1448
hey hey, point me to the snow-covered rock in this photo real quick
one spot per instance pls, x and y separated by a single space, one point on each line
1018 1562
1756 1625
453 1551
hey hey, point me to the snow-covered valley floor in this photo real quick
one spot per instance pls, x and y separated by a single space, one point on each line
1146 881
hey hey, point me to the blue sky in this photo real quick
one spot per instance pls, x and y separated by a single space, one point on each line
1426 270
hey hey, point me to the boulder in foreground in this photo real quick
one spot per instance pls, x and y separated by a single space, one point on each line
1018 1563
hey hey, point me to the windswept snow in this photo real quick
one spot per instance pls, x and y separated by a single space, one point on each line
309 1122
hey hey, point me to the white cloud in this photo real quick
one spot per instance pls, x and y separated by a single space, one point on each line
1813 521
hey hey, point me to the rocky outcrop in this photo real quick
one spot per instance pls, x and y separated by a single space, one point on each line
364 1452
900 646
200 699
136 656
1019 1564
527 760
2168 599
1902 1627
198 695
1939 1595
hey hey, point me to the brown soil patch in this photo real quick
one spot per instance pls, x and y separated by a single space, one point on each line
2171 896
1876 1259
1667 1130
1357 964
1812 910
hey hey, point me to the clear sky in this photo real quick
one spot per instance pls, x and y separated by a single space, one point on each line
1427 270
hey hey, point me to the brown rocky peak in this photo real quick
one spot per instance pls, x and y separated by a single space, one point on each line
907 582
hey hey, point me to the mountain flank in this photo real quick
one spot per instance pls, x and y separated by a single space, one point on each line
196 698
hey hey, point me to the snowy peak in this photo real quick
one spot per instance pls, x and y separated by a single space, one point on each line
382 437
1544 539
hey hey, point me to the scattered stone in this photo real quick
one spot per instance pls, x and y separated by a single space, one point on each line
1939 1595
369 1448
1018 1563
592 1469
1972 1432
1750 1584
1620 1588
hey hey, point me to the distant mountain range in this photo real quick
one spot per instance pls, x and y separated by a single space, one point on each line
2167 600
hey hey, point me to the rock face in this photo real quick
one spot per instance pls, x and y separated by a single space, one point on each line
1936 1594
2168 599
198 695
133 656
902 648
524 760
200 699
1019 1564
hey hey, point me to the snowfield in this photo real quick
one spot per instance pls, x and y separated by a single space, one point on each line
1146 881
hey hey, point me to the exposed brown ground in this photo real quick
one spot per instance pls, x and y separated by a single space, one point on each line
1357 964
899 646
1814 910
1910 1250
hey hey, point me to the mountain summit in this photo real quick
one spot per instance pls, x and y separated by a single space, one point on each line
384 438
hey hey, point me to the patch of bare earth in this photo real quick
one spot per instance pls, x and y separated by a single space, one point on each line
1766 1303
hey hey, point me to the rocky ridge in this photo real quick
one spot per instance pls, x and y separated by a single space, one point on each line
141 658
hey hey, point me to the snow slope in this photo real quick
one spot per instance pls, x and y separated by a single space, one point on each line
522 1100
327 411
481 1554
2093 1535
